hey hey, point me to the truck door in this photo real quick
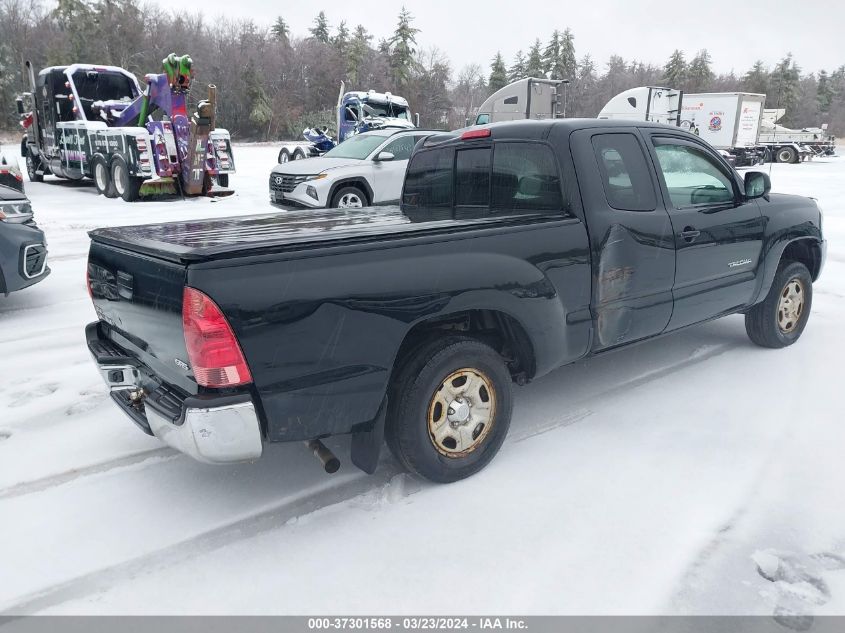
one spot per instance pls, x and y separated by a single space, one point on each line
631 240
718 234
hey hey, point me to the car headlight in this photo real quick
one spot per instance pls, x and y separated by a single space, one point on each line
16 212
316 177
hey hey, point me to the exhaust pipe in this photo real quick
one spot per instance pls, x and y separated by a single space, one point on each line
330 463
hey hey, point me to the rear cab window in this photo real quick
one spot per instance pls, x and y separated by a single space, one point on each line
624 172
505 178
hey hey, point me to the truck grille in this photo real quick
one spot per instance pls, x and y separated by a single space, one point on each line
35 260
286 182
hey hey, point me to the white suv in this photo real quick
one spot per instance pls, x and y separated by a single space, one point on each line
366 169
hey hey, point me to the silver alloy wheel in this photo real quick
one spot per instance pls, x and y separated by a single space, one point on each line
350 201
30 166
101 176
461 412
790 305
117 172
283 157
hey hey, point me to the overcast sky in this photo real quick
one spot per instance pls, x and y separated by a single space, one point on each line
736 32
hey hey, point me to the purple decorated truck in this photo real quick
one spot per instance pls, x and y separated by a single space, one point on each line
89 121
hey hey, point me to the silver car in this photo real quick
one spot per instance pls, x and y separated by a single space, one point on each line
366 169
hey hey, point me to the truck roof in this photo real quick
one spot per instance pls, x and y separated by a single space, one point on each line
540 128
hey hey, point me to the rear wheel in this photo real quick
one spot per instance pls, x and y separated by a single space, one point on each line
102 177
787 155
284 156
125 185
449 409
349 198
31 167
781 317
298 154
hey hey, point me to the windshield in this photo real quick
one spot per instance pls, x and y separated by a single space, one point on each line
389 110
359 147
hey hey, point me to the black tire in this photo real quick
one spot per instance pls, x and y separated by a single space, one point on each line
284 156
412 400
769 323
223 180
299 154
31 166
346 197
101 175
125 185
786 155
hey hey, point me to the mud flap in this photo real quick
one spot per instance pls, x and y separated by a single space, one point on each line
366 445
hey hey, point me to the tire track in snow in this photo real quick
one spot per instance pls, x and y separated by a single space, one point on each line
271 518
51 481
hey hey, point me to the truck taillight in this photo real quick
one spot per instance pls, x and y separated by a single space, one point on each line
216 358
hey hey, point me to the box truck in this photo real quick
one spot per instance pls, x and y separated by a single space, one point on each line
729 121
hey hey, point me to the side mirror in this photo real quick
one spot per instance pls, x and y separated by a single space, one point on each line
383 156
417 119
757 184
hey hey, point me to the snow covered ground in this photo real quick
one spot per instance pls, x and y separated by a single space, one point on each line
693 474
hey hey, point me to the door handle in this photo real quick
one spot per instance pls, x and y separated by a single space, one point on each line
689 234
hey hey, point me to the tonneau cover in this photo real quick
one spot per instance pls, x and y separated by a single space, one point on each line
199 240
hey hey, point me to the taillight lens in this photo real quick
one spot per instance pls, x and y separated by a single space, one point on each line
216 358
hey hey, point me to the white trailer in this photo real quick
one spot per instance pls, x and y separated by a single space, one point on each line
729 121
530 98
646 103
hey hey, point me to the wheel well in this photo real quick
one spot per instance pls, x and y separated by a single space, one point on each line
499 330
358 183
807 252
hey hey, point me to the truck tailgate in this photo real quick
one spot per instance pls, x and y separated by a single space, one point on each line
138 299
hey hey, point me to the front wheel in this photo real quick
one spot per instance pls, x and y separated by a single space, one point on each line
284 156
31 168
781 317
348 198
449 409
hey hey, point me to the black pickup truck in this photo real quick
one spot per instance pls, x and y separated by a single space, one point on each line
519 247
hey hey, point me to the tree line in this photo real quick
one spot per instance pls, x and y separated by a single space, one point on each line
272 83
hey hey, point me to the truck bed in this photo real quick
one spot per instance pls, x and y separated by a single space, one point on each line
200 240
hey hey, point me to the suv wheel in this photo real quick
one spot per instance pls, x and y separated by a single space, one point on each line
349 198
781 317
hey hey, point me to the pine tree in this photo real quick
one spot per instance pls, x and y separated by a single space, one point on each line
341 38
824 93
358 49
281 31
517 69
699 73
785 86
320 30
757 79
534 65
402 49
551 56
498 73
568 64
675 71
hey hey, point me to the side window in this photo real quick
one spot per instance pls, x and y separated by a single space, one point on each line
624 172
401 147
692 177
525 179
482 119
472 178
428 185
350 113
